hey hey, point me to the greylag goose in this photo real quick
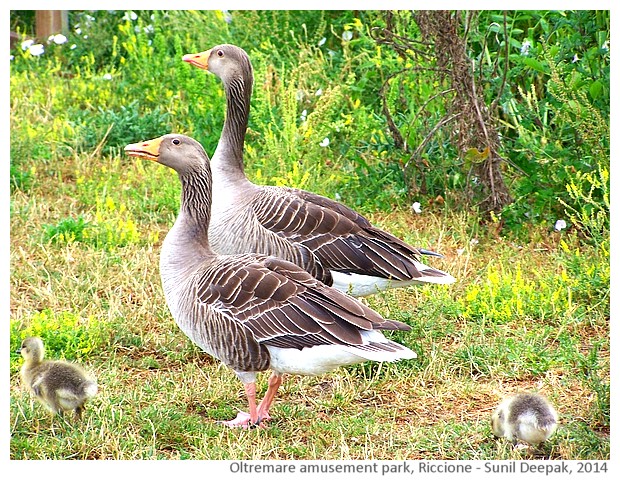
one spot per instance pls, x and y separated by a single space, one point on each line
526 417
331 241
254 312
59 385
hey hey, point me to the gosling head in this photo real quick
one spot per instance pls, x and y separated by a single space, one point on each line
32 350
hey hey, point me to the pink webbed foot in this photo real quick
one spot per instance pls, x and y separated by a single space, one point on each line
243 420
261 413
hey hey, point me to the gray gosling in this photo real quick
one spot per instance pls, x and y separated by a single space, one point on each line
525 417
59 386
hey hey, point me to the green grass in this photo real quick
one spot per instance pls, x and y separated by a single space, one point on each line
529 311
499 329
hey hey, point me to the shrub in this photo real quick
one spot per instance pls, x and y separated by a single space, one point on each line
112 227
507 294
545 73
64 334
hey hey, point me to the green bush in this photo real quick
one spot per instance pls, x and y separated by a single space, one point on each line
112 227
507 294
120 79
64 334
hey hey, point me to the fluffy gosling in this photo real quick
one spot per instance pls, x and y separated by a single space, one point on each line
525 417
60 386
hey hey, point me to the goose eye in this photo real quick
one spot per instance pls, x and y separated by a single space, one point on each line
220 53
176 141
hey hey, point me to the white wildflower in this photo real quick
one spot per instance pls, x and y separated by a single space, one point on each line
525 47
416 207
605 45
324 142
130 16
575 59
347 35
107 76
78 30
149 29
322 42
337 197
26 44
36 49
59 39
319 92
474 241
304 114
12 57
560 225
73 47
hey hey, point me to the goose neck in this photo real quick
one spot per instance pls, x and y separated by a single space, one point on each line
30 363
196 202
238 91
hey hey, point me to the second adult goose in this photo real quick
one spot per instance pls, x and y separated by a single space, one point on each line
255 312
332 242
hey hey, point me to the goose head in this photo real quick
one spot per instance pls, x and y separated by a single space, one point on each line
179 152
32 350
228 62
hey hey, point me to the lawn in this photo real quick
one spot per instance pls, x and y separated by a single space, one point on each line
515 320
529 310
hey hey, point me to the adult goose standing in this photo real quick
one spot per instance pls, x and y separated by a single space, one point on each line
329 240
255 312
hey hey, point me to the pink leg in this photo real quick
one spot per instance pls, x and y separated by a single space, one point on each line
257 416
243 419
275 381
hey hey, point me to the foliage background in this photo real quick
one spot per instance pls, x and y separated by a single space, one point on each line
530 310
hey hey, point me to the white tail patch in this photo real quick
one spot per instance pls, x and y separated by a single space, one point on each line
325 358
362 285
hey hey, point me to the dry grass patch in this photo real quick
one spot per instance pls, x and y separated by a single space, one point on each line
160 397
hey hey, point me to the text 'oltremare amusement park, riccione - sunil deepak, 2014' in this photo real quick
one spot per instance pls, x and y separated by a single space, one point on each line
419 467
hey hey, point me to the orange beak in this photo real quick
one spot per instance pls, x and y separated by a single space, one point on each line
148 149
200 60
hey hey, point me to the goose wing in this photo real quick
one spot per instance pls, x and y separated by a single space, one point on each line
283 305
342 239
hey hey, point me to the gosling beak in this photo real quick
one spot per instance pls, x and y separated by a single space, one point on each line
200 60
148 149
